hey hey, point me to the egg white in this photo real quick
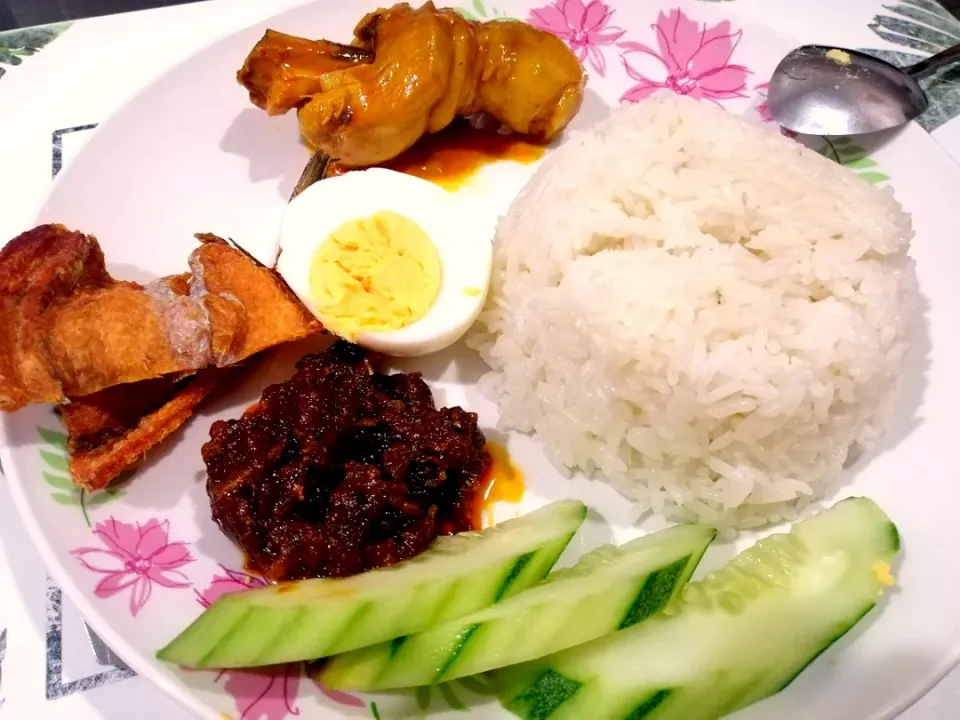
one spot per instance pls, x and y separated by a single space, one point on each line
496 185
460 227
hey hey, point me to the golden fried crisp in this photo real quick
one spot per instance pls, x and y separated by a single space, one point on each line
112 431
68 329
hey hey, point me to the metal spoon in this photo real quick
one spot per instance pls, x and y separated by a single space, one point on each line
819 90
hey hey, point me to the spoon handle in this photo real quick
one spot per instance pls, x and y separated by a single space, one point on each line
933 63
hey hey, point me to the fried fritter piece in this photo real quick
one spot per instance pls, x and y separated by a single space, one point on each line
67 329
429 66
270 312
111 431
37 268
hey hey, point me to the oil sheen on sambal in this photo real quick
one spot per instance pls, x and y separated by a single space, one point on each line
343 469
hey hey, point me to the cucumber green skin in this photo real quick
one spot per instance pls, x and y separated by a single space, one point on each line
644 577
549 693
249 629
702 663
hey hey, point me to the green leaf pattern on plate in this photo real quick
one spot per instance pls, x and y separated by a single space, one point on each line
479 11
57 474
58 481
477 686
451 698
53 453
53 437
422 695
71 499
846 152
451 695
922 28
18 44
55 460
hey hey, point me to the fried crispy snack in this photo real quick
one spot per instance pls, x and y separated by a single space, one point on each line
429 65
68 329
111 431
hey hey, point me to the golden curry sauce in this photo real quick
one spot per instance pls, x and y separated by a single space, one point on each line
450 157
504 483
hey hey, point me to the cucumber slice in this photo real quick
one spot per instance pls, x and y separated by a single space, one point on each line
610 588
309 619
741 635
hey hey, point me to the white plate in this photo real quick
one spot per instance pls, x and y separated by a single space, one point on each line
190 154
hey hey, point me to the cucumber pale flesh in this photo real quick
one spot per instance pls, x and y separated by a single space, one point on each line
610 588
741 635
309 619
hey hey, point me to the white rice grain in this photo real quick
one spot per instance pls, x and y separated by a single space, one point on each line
703 312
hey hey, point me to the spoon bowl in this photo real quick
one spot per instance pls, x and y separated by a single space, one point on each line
819 90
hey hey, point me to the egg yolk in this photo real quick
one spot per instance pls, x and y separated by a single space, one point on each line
374 274
881 571
839 56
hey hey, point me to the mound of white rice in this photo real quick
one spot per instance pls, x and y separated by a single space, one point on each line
699 310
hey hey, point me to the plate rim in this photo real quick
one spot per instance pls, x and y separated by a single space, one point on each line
137 661
153 670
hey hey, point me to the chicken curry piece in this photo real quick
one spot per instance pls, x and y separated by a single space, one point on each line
409 72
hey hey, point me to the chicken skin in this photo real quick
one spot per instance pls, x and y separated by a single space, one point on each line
410 72
282 72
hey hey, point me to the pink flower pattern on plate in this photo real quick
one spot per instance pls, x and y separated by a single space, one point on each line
585 28
267 693
763 109
136 557
690 60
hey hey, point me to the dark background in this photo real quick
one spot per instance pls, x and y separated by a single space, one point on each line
21 13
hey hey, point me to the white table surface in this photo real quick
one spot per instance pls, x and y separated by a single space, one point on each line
47 668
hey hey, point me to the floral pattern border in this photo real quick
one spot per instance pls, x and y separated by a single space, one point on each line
686 57
55 458
137 559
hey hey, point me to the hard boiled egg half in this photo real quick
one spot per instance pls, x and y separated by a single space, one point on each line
387 260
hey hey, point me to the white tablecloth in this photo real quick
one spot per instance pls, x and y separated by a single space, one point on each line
48 106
